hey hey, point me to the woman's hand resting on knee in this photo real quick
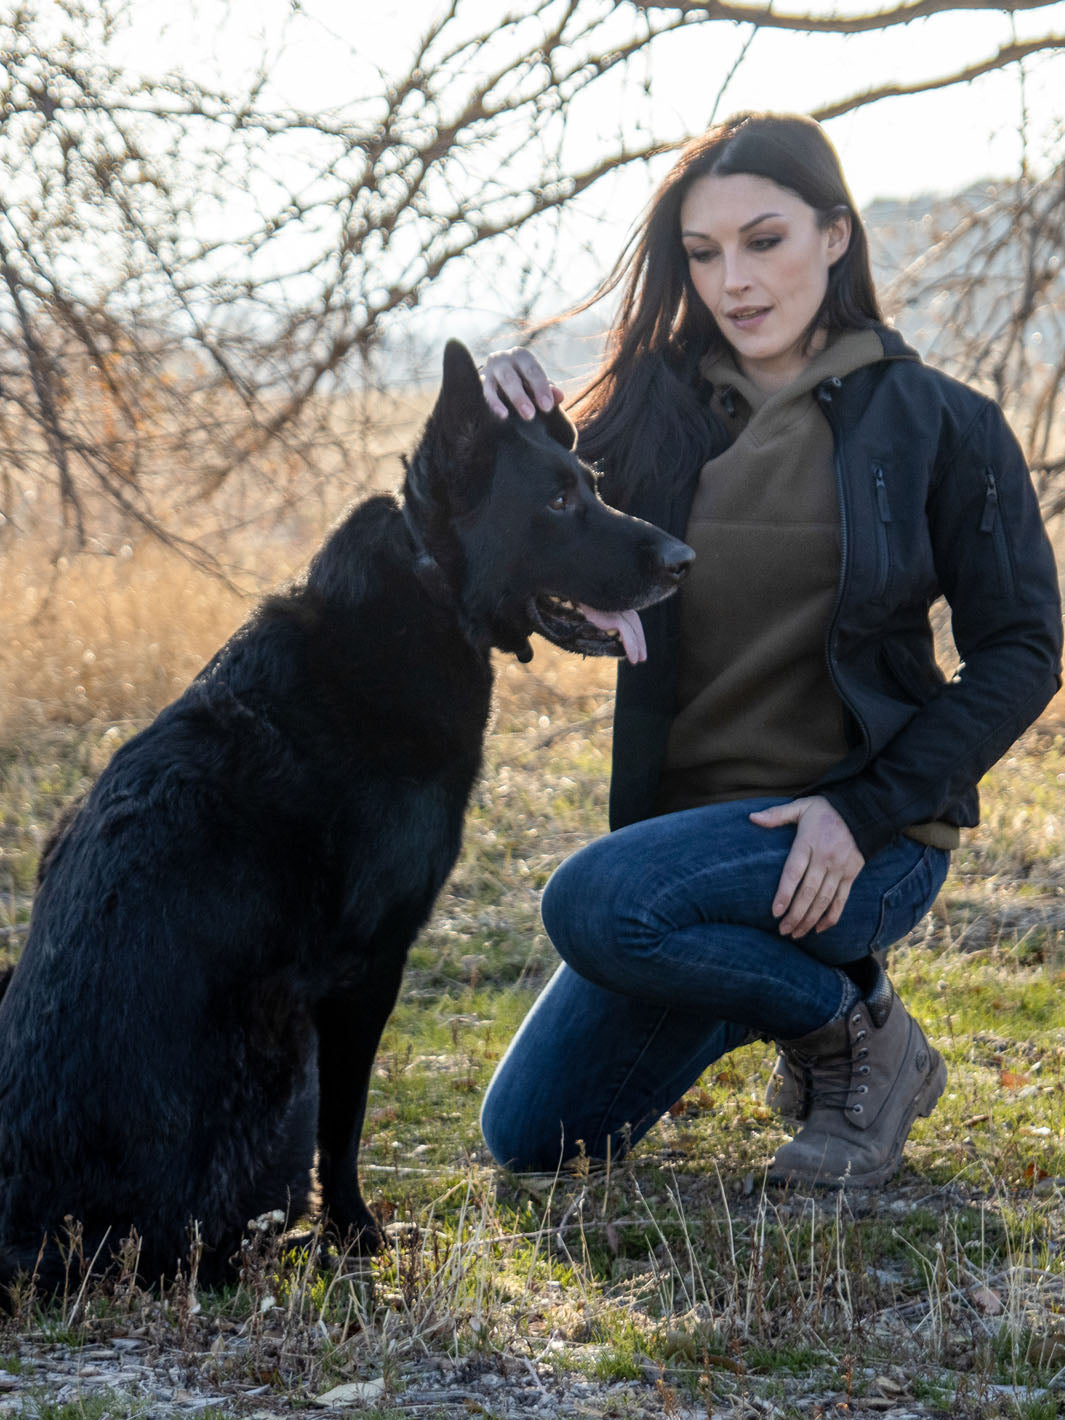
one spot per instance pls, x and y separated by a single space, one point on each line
818 873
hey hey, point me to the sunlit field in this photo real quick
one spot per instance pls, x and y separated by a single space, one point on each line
675 1284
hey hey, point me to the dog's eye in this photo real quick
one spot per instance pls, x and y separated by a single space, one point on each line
560 502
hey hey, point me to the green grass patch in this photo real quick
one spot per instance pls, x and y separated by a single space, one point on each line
101 1405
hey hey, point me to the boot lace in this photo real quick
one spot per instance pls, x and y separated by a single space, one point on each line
830 1080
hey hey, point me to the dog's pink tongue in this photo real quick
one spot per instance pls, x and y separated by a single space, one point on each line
628 626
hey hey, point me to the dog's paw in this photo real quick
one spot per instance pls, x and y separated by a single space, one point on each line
360 1234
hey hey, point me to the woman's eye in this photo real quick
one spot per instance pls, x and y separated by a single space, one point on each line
559 503
764 243
702 257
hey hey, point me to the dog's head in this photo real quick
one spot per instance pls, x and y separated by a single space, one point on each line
513 519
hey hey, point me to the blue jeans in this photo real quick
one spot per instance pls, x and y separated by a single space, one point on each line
671 958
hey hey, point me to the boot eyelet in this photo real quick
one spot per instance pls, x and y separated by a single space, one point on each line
863 1070
856 1019
856 1109
862 1090
860 1035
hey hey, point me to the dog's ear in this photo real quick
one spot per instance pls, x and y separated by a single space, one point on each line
561 428
460 406
454 461
455 453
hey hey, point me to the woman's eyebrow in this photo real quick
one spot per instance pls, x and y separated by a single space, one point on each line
745 228
755 220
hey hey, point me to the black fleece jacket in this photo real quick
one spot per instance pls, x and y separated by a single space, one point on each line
935 499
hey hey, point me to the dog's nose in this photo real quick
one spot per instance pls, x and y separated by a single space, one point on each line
677 557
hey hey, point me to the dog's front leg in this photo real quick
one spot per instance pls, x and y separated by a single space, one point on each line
349 1032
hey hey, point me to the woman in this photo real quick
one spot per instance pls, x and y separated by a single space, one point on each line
790 767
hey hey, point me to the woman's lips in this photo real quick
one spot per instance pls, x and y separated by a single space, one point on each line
748 317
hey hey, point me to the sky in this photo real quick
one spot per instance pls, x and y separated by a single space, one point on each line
341 51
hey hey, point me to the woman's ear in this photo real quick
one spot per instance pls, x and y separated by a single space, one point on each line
838 231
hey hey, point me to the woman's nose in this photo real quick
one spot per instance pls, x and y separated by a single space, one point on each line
736 278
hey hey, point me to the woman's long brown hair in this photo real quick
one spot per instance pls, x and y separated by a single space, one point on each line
641 415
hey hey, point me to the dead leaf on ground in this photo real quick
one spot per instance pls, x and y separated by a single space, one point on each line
1010 1081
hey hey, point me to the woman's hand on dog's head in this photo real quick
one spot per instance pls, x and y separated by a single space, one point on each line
516 375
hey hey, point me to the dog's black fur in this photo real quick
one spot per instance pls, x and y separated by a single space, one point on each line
220 928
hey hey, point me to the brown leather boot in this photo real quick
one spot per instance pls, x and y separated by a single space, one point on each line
786 1093
788 1090
869 1075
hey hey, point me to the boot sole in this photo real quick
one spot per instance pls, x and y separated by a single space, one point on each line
923 1103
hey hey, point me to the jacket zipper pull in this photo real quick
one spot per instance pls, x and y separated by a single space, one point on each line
881 495
987 522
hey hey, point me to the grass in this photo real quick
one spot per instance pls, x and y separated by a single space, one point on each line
676 1280
106 1405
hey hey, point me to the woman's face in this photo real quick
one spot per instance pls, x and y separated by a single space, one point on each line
759 262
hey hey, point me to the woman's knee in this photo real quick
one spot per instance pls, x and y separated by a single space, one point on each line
578 905
515 1139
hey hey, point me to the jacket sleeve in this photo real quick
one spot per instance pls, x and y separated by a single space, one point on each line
997 570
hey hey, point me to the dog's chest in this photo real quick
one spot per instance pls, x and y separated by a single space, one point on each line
394 852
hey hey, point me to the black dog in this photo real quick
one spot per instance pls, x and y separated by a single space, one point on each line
220 928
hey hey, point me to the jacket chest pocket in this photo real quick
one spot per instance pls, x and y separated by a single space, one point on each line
993 528
899 563
881 526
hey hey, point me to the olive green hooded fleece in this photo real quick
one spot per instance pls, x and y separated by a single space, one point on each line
757 713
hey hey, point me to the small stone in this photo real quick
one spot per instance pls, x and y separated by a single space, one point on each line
364 1392
986 1300
1047 1349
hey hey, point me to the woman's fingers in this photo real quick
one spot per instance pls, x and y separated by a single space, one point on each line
812 907
796 866
810 901
818 872
835 911
517 376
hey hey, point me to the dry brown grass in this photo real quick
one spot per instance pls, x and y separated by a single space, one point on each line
104 638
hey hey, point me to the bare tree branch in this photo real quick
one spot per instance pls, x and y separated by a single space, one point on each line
1005 56
769 18
191 276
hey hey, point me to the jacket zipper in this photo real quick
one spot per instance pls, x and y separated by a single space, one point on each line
883 556
990 515
824 396
991 522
